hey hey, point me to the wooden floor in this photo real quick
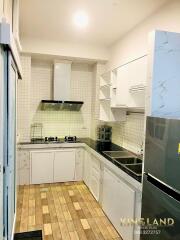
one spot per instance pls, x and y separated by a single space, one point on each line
65 211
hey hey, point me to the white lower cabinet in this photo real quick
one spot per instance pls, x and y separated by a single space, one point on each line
64 166
52 166
42 167
118 202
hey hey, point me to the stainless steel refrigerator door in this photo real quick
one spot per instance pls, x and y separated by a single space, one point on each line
162 159
157 204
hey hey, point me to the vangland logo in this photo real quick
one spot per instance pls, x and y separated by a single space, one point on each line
147 222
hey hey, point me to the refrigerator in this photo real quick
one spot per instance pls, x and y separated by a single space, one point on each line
161 180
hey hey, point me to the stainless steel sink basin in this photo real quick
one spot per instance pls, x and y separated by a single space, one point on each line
130 160
127 160
118 154
135 168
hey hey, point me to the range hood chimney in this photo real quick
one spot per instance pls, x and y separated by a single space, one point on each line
61 90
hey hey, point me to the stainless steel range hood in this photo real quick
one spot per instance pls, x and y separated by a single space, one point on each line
54 105
62 86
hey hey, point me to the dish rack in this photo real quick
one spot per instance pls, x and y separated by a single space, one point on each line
36 132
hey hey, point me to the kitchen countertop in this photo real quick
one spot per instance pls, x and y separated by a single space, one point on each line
98 146
106 146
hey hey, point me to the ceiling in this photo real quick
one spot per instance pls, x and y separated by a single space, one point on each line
108 19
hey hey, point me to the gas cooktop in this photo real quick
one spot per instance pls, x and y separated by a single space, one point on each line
67 139
71 139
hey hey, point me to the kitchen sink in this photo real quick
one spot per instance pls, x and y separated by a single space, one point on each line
135 168
129 160
118 154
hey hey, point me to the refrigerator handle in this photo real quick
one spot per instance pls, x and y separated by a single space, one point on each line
163 187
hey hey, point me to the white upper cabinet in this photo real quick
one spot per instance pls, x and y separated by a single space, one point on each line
123 89
137 83
107 97
137 73
131 84
122 86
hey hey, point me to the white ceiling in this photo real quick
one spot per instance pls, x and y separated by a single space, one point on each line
108 19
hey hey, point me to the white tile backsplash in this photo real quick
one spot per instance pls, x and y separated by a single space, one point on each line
130 134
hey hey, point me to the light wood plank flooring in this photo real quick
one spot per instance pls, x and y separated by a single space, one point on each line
66 211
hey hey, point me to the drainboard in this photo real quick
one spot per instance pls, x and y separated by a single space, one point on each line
130 160
118 154
135 168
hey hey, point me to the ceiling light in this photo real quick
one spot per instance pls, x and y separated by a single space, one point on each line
81 19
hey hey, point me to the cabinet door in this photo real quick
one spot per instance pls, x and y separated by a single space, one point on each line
79 164
86 172
64 166
118 203
95 183
138 72
42 167
122 86
95 173
137 83
109 192
131 78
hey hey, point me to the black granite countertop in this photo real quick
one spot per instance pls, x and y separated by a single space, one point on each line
99 147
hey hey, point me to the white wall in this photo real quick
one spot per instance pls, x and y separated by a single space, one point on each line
135 43
64 49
